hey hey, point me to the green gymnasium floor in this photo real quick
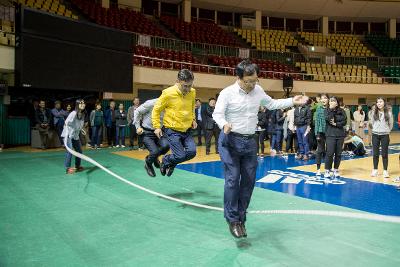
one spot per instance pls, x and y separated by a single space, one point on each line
91 219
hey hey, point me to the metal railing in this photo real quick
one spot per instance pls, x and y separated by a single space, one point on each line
283 57
177 65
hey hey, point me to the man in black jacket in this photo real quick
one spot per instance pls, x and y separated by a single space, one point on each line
199 113
211 127
43 121
302 121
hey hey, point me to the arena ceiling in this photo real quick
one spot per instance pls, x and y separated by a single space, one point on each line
344 10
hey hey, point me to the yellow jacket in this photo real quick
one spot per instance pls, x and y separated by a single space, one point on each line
178 109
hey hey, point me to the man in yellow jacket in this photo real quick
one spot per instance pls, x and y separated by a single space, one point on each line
178 104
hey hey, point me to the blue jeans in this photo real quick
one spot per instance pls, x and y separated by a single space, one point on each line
239 156
156 146
96 135
182 146
76 145
302 140
277 139
120 136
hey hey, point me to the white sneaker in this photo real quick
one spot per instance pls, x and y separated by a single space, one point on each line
117 146
122 146
318 173
327 174
374 173
396 180
336 173
385 174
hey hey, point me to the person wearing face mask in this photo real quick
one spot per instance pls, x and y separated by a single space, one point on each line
72 128
381 122
178 104
335 119
236 115
320 128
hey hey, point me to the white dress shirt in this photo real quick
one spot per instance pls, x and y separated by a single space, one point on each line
239 108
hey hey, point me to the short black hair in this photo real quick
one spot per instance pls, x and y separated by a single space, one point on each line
185 75
211 98
246 68
198 99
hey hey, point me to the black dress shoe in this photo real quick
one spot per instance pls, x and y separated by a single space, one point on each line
149 168
157 163
170 170
163 169
236 229
243 229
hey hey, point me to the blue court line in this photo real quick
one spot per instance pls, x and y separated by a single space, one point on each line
356 194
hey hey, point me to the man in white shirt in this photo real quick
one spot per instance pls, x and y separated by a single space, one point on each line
236 114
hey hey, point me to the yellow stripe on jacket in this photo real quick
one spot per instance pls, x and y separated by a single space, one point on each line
178 109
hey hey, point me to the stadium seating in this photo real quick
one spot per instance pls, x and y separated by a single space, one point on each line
387 46
200 32
123 19
166 59
268 40
391 71
51 6
267 67
339 73
343 44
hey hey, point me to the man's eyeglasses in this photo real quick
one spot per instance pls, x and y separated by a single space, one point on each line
250 82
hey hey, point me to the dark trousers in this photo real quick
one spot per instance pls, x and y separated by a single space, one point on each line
76 145
302 140
277 139
381 141
182 146
96 135
358 150
133 135
120 136
239 157
155 146
291 140
44 135
321 148
260 138
209 134
334 147
111 134
200 131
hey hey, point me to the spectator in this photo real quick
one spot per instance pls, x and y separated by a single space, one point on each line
120 122
291 138
59 116
302 121
96 122
359 118
320 129
43 120
355 144
277 137
381 122
199 113
133 131
210 126
109 119
261 130
336 120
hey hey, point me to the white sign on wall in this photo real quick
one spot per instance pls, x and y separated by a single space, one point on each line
144 40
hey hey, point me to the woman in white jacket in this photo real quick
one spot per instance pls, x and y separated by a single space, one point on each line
359 118
73 126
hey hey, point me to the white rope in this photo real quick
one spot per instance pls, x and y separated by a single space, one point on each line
342 214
